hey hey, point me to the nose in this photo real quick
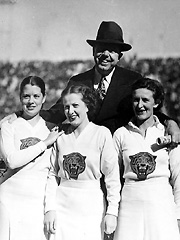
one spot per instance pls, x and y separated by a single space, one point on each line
106 52
31 99
140 104
71 109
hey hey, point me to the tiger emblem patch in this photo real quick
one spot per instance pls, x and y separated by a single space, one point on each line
30 141
74 164
142 164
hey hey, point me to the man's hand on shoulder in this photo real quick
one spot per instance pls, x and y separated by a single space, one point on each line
173 129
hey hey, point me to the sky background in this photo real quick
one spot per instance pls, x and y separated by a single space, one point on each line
57 30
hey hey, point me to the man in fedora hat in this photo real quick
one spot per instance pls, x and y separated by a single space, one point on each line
112 83
115 109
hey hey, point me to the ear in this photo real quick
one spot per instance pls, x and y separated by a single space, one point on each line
120 55
157 104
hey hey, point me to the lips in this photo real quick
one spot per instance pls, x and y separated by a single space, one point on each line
72 117
31 108
104 62
140 112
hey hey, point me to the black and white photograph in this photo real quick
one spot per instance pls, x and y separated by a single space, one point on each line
89 120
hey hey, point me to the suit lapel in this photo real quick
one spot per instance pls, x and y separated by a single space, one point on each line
89 78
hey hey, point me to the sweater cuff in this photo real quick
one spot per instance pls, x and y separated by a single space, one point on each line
112 210
51 205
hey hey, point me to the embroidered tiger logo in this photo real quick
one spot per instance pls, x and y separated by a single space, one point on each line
30 141
142 164
74 164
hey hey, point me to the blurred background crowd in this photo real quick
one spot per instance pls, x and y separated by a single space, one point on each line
56 75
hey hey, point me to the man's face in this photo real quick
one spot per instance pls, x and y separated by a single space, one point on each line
106 57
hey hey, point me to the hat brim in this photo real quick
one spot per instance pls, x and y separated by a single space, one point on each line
123 46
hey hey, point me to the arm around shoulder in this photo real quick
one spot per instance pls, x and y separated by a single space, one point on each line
55 114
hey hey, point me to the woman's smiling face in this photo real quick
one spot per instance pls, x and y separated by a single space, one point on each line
75 109
32 100
143 103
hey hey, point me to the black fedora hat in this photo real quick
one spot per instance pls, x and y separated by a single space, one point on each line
110 33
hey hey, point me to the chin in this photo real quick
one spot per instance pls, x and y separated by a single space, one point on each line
74 124
32 114
103 69
141 118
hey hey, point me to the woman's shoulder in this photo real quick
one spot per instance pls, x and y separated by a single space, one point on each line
5 125
8 124
100 129
121 130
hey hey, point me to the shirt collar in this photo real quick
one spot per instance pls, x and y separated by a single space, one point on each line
98 77
108 77
156 124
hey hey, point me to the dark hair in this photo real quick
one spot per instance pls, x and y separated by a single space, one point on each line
34 81
89 97
153 85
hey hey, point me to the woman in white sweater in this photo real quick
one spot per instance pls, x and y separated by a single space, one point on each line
149 206
82 155
24 144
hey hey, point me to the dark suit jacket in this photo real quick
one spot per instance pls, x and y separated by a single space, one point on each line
116 108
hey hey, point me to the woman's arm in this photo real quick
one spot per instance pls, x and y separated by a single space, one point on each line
175 177
172 129
16 158
171 126
55 114
110 169
50 193
118 148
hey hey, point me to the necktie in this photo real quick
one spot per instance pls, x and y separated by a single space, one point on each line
101 89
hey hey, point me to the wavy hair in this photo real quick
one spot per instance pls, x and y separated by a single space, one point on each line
153 85
89 97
